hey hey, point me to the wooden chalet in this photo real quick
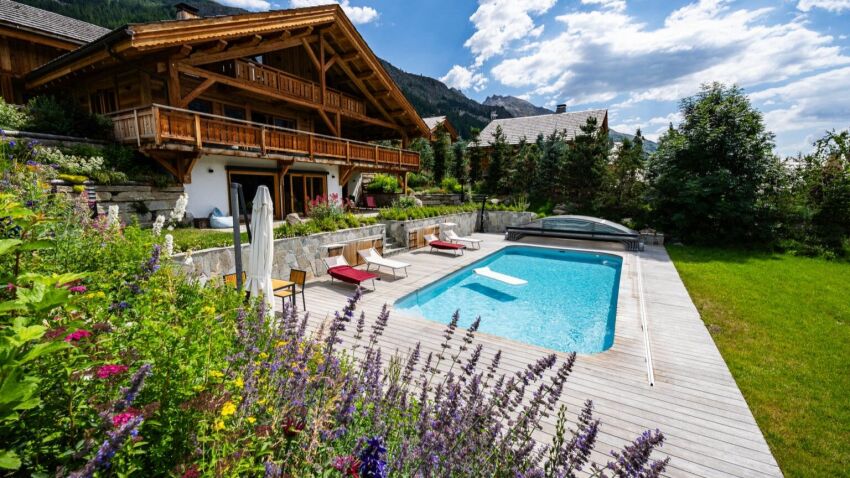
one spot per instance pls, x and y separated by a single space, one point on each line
438 124
31 37
291 99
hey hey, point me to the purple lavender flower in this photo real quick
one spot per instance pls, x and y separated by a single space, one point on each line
372 459
113 443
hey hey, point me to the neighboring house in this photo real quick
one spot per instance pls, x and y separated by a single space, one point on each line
440 123
529 127
288 99
30 37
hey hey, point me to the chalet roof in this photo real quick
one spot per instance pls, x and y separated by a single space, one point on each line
133 41
529 127
433 121
25 17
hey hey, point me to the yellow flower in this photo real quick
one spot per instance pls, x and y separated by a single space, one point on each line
251 420
228 409
216 374
239 382
280 343
263 355
198 388
261 401
210 310
100 294
219 425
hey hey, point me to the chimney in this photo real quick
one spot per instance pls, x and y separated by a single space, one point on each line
186 11
561 108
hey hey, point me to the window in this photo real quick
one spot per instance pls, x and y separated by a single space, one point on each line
272 120
201 106
234 112
103 101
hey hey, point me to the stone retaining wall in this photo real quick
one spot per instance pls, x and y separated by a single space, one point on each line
467 223
439 199
142 201
295 252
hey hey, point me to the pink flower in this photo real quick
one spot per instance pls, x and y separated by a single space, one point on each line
77 335
121 418
77 289
107 371
10 287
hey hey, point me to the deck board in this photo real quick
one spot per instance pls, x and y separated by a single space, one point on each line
695 401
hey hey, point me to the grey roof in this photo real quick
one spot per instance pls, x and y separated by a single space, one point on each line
25 17
529 127
433 121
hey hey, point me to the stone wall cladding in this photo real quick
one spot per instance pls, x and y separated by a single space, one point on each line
291 253
130 198
494 221
440 199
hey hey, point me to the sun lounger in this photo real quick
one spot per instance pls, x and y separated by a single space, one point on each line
491 274
338 268
452 236
372 257
443 245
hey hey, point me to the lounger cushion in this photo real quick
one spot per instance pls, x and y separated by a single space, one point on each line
350 274
445 245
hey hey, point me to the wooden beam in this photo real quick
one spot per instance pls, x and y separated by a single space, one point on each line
253 41
173 84
328 122
322 70
345 174
166 164
311 54
188 167
283 43
348 56
330 63
184 51
365 90
184 102
220 45
365 75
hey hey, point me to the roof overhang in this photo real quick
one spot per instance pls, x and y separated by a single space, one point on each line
132 42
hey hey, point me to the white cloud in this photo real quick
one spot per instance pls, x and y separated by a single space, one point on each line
829 5
618 5
358 15
464 78
651 129
498 23
609 53
247 4
815 103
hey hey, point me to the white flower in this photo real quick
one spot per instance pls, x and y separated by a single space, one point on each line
112 216
157 225
180 208
169 245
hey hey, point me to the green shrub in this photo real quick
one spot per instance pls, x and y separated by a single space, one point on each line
11 117
418 180
404 202
50 115
383 183
451 185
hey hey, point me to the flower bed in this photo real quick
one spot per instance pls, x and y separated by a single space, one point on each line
115 364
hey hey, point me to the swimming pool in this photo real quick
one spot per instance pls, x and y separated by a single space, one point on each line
569 303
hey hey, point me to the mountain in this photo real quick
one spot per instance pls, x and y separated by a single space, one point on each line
431 97
617 137
115 13
516 106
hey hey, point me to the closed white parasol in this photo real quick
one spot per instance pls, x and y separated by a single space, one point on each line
261 255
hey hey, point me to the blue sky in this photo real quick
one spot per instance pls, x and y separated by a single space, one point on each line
634 57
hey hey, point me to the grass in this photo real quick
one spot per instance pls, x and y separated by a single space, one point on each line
781 323
196 239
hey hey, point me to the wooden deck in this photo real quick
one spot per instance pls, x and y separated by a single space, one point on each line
695 402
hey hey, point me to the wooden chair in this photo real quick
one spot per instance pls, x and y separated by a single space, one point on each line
230 279
299 277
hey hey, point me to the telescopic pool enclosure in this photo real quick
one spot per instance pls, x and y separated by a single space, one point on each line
578 227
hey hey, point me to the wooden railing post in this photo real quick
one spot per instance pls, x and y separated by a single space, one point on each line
157 124
348 152
399 159
311 147
376 154
198 141
138 128
263 140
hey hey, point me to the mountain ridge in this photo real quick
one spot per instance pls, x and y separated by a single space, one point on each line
518 107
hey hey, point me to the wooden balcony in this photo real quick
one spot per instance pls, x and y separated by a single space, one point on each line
283 83
166 128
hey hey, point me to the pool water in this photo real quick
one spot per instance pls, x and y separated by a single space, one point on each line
569 303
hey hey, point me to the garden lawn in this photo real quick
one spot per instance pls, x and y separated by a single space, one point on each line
781 323
186 239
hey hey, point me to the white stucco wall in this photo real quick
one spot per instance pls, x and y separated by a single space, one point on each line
208 190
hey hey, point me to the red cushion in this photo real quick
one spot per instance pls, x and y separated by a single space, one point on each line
446 245
350 274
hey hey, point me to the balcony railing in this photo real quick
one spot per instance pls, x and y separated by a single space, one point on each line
288 84
162 125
